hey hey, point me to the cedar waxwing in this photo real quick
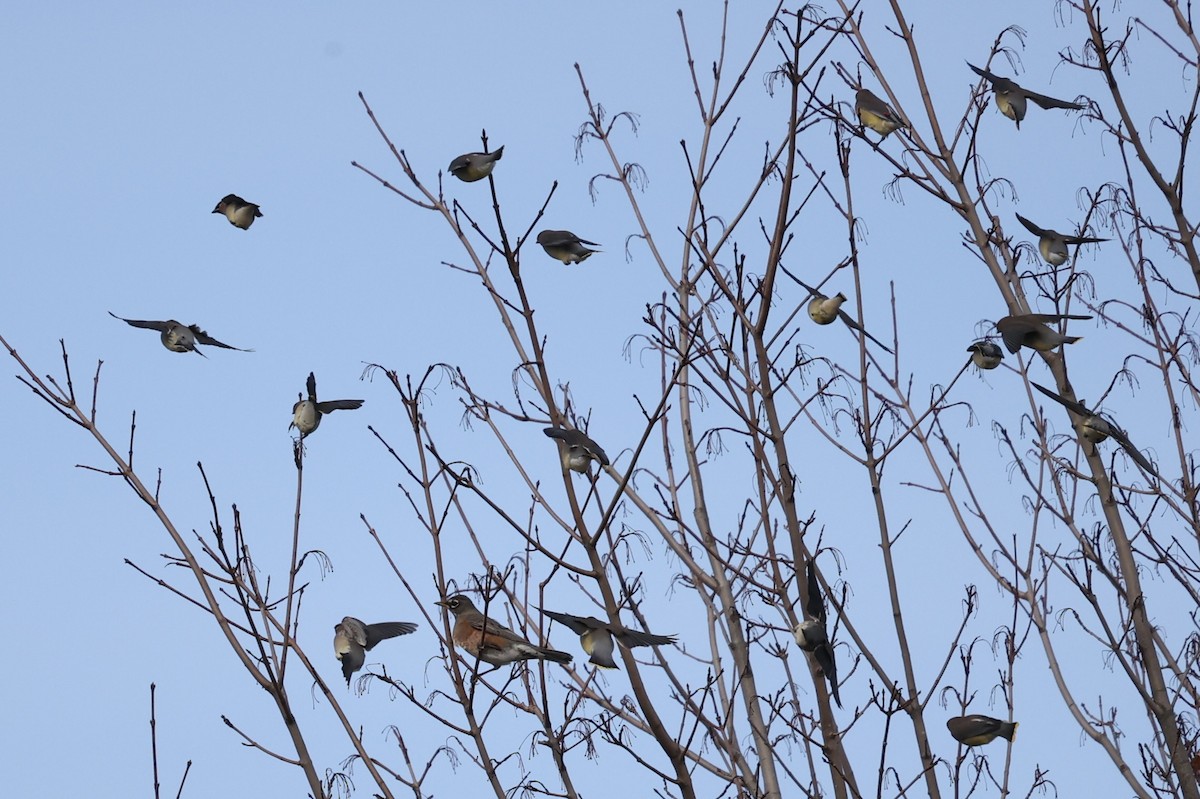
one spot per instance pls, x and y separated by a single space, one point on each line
875 113
1010 98
475 166
986 354
352 639
978 730
1095 428
823 310
812 635
1052 244
239 212
1031 331
177 337
306 414
577 450
565 246
489 640
596 637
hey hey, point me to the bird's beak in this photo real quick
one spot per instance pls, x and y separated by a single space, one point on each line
442 603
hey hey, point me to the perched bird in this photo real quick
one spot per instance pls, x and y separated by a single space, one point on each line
565 246
1095 428
475 166
178 337
986 354
489 640
239 212
306 414
577 450
978 730
596 637
875 113
1010 98
352 639
1030 330
1052 244
811 634
823 310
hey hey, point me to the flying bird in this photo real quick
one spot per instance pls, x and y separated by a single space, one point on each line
875 113
1095 428
1010 97
577 450
306 413
1030 330
178 337
823 310
1052 244
978 730
596 637
239 212
812 635
565 246
475 166
352 639
986 354
489 640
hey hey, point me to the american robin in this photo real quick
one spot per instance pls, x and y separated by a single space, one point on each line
978 730
306 414
812 636
178 337
565 246
596 637
239 212
489 640
1030 330
475 166
352 639
577 450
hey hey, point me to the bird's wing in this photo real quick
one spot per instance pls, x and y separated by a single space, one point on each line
814 606
311 385
329 406
1052 317
576 438
1082 240
576 624
1079 408
462 162
849 320
984 73
386 629
487 624
1032 228
825 659
1013 332
148 324
204 338
1051 102
632 638
1133 452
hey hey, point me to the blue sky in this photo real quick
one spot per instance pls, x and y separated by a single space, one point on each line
126 124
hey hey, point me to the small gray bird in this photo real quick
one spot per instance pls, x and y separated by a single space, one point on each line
475 166
596 637
178 337
812 635
239 212
1095 428
986 354
823 310
978 730
1030 330
577 450
352 639
1052 244
1010 97
306 413
875 113
565 246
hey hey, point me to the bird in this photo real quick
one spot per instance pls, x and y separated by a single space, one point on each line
986 354
1030 330
306 413
1095 428
812 635
1010 97
475 166
577 450
179 337
823 310
565 246
875 113
596 637
1052 244
352 639
978 730
489 640
239 212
